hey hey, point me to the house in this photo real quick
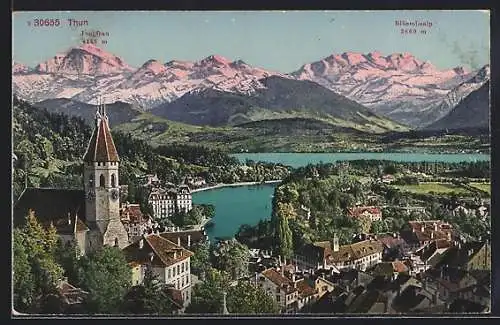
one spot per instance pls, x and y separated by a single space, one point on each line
72 297
291 290
421 233
135 222
167 202
387 178
150 180
169 261
390 269
195 182
468 256
361 255
476 293
432 253
394 246
282 289
89 216
374 213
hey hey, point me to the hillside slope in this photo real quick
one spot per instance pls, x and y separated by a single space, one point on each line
472 112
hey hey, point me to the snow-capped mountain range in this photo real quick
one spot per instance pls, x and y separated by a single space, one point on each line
398 86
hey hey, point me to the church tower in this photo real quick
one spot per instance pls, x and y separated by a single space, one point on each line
102 189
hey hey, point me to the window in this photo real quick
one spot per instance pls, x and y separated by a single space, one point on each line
113 180
174 271
178 269
102 181
169 273
182 268
116 242
278 298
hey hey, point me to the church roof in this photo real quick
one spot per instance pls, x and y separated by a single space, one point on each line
101 146
51 204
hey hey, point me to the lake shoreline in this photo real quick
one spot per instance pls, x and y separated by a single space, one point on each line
223 185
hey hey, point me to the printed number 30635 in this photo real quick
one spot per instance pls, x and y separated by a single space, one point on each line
46 22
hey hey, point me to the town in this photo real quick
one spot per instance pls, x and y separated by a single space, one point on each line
348 237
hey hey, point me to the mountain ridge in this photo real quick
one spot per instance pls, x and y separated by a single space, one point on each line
398 86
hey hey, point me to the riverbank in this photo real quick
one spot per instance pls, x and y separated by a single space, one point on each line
222 185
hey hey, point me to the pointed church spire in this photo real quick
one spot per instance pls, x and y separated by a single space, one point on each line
101 147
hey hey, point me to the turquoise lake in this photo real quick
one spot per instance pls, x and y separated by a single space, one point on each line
235 206
248 204
302 159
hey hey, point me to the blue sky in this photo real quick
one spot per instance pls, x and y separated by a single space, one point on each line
275 40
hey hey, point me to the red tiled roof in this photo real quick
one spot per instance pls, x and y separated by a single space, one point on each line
305 290
133 211
399 267
391 241
163 251
355 251
357 211
101 146
279 280
430 232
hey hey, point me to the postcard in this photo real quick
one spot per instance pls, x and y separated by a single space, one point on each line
244 163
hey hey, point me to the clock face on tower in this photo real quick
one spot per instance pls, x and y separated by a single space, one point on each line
114 194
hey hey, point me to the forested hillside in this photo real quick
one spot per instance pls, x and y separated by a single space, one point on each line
49 148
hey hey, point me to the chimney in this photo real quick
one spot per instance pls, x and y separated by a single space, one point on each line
178 241
448 235
175 255
189 240
293 280
435 226
141 243
422 228
432 234
279 260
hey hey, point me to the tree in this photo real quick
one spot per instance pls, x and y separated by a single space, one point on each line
390 169
67 256
284 238
364 224
231 257
207 295
36 273
23 279
150 297
246 298
200 261
208 210
379 227
105 274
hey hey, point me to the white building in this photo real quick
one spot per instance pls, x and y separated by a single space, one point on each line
167 202
170 262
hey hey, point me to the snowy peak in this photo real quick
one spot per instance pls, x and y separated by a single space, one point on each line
153 66
18 68
86 59
216 60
